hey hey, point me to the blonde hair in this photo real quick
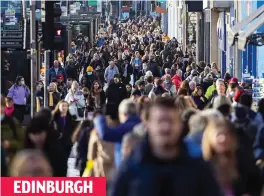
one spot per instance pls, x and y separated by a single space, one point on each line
228 171
30 163
57 108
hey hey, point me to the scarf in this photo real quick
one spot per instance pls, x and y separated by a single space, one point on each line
96 94
9 111
37 104
51 102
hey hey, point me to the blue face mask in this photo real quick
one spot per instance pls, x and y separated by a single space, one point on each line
89 73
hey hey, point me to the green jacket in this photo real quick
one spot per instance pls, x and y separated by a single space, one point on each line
12 131
210 91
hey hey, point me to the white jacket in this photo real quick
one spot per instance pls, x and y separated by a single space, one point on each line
74 105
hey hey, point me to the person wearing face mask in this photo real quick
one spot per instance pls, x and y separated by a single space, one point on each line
19 93
11 132
88 79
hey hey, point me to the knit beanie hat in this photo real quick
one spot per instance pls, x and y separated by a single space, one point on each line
89 68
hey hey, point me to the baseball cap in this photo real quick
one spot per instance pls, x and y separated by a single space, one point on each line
234 80
60 76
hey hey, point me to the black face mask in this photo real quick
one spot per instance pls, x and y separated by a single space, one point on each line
85 96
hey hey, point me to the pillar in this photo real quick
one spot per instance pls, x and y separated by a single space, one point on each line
213 36
199 37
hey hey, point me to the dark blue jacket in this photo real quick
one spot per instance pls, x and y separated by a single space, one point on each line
144 175
115 134
52 73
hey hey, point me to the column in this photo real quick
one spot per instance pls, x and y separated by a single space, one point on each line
214 37
199 37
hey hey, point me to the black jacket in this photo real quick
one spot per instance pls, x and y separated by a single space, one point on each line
116 93
153 67
143 174
65 131
87 81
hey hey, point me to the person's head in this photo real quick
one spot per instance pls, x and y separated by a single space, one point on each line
182 103
112 64
62 107
126 109
179 73
233 83
69 82
141 85
222 104
129 88
30 163
220 86
164 123
56 64
197 123
96 56
129 141
89 70
167 71
145 66
74 86
117 79
52 87
192 85
137 54
9 102
149 79
85 92
185 84
60 78
188 68
182 92
20 81
96 85
36 132
218 139
214 66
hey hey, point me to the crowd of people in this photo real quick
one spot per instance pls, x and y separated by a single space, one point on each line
137 109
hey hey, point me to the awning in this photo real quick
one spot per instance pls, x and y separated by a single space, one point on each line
250 25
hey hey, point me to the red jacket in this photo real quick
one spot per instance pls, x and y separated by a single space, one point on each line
177 81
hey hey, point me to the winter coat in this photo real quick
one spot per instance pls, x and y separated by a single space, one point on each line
144 174
110 72
65 129
153 67
12 132
115 93
206 83
177 81
115 134
18 94
87 80
53 74
73 108
199 102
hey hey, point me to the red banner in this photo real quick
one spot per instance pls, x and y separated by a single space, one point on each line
41 186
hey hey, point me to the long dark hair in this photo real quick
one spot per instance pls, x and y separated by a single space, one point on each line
92 87
18 79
